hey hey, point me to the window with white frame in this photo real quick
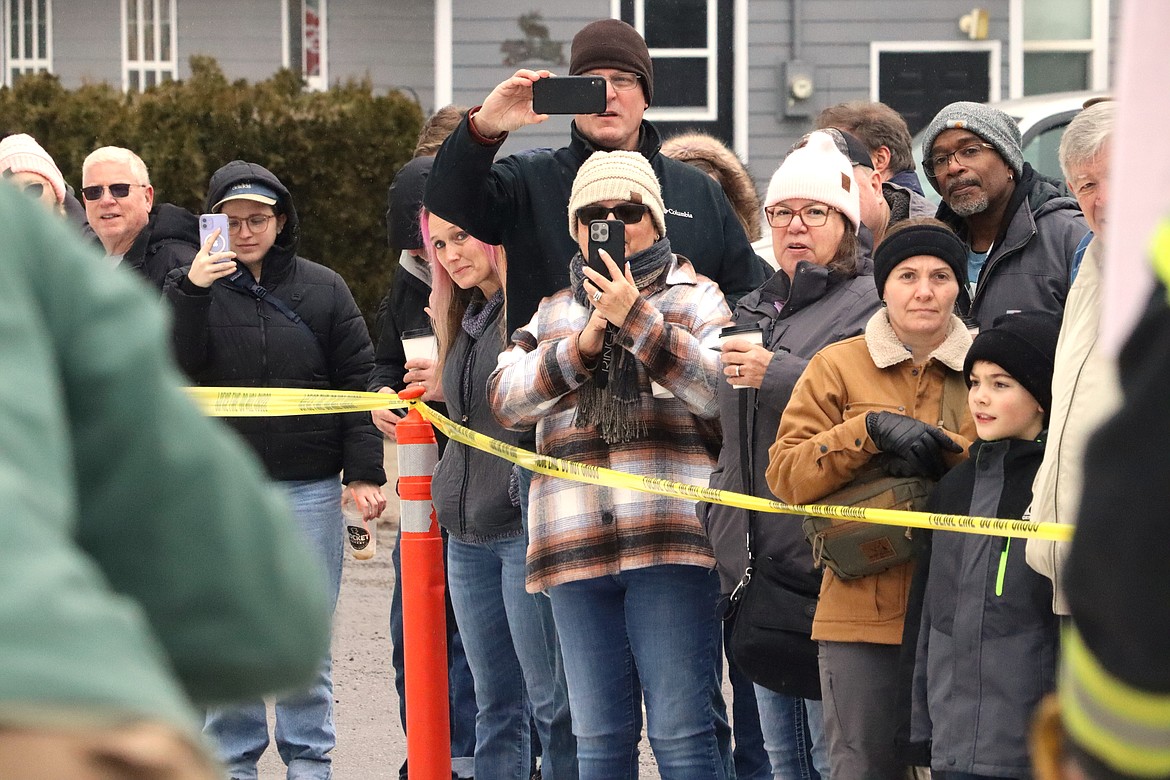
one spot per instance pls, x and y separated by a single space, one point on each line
683 38
305 40
148 44
1062 45
28 38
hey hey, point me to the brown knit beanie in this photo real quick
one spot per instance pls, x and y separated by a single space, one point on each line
611 43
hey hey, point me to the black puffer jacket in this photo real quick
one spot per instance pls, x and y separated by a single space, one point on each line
225 336
170 240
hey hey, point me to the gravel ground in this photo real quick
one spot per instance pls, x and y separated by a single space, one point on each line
370 743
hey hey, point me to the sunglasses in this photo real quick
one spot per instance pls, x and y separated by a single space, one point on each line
34 190
629 213
95 191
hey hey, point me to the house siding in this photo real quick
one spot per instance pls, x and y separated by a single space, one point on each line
244 38
86 46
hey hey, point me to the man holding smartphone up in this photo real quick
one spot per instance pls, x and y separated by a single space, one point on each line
521 201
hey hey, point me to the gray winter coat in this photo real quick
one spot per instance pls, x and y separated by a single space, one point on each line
470 487
1031 260
822 308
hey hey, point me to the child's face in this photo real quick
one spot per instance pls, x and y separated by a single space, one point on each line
1000 405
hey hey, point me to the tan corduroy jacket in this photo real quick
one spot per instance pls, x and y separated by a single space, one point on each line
822 445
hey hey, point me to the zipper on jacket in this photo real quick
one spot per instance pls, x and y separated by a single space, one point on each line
465 393
1003 556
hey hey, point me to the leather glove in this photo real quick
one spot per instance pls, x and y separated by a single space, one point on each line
915 448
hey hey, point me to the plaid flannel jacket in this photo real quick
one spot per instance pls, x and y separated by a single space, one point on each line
579 531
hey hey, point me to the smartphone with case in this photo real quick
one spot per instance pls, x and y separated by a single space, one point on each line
208 224
610 235
569 95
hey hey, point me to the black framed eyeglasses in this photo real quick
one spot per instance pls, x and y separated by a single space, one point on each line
629 213
812 215
119 191
257 223
937 165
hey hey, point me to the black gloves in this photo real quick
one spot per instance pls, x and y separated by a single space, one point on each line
915 449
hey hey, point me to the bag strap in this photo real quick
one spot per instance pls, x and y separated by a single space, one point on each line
745 463
261 293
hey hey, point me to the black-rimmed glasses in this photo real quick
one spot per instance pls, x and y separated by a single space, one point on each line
629 213
937 165
119 191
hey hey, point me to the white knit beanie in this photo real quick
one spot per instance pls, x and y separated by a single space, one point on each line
617 176
817 171
21 153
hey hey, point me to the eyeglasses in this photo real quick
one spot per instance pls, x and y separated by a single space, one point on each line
629 213
621 82
814 215
257 223
937 165
119 191
34 189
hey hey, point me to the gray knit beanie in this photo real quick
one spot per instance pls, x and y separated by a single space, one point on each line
992 125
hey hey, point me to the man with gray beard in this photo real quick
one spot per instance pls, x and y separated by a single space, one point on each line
1021 232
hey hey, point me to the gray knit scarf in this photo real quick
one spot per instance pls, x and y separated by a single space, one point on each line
613 408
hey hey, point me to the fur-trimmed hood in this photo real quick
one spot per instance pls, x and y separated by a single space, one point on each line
706 151
887 349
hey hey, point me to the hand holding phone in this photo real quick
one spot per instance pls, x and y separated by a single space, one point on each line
214 259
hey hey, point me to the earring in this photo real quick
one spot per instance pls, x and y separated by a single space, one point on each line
1011 177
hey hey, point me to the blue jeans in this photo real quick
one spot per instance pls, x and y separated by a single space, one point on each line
304 720
654 629
751 759
794 734
461 689
487 591
559 759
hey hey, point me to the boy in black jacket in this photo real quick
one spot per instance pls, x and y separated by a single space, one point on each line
987 646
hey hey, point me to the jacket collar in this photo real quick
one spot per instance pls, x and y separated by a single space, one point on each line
649 142
886 349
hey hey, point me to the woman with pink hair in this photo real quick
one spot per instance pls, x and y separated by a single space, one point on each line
477 503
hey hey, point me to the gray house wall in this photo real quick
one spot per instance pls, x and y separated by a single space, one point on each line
86 41
247 47
390 41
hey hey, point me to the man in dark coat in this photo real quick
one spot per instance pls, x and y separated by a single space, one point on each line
1021 233
152 238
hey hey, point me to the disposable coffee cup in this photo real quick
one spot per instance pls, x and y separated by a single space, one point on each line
363 542
420 343
750 332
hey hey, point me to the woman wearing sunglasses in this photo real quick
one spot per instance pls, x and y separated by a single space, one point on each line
629 573
815 299
262 316
27 166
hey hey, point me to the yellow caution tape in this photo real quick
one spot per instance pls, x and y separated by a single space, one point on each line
283 401
263 402
1160 254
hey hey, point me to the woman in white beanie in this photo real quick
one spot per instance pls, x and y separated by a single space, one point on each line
818 297
27 166
629 573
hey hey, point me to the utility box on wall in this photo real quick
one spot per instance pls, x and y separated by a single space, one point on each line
796 90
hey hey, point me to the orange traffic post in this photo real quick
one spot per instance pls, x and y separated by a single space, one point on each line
424 610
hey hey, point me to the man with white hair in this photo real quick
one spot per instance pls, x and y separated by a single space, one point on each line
1084 382
119 202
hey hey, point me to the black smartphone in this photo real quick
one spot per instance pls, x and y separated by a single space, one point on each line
569 95
610 235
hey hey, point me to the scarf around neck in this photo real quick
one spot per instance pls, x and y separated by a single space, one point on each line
612 408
